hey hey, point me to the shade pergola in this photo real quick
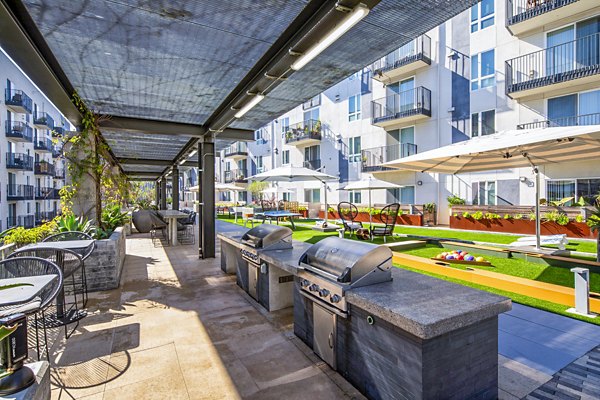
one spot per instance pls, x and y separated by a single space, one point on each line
295 174
370 183
510 149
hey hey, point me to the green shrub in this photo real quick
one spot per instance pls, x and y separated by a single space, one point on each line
562 219
518 216
491 216
69 222
429 207
112 218
531 216
466 214
579 218
477 216
21 236
455 201
507 216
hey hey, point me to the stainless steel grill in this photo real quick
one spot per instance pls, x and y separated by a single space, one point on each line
332 266
264 238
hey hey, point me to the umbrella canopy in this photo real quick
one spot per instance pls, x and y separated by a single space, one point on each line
276 189
220 187
292 174
510 149
370 183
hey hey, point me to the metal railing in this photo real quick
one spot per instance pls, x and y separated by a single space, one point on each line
402 105
19 161
309 129
418 49
312 164
26 221
564 62
43 119
56 152
19 192
43 216
372 159
45 193
59 173
18 98
44 168
522 10
587 119
43 144
238 148
18 130
235 175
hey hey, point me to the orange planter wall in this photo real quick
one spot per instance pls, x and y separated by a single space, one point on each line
404 219
526 227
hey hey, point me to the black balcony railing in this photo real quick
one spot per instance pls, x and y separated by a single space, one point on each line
310 129
43 119
372 159
588 119
56 151
564 62
58 131
18 100
26 221
46 193
18 130
235 175
19 161
11 221
402 105
19 192
44 168
43 145
59 173
521 10
418 49
44 216
312 164
237 149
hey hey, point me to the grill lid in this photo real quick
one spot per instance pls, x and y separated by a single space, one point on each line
347 261
268 237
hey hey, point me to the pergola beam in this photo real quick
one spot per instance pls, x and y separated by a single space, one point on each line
161 163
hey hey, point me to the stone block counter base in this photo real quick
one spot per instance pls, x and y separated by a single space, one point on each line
103 268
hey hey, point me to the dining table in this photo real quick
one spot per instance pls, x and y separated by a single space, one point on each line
25 289
172 216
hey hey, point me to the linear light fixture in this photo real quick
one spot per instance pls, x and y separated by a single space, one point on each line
193 153
257 99
182 161
358 13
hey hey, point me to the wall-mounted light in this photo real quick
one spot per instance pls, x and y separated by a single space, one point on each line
419 183
523 179
353 17
255 100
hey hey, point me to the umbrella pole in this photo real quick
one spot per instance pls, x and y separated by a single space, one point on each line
325 198
370 217
537 209
235 206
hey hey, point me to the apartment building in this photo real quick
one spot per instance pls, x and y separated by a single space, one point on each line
502 65
32 169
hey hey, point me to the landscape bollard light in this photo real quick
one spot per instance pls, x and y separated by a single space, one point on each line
582 292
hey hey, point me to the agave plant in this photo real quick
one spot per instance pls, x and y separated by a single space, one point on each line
71 223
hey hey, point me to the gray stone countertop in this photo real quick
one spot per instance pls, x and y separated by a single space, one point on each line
233 236
425 306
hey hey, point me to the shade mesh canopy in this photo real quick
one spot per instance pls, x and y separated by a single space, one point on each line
508 149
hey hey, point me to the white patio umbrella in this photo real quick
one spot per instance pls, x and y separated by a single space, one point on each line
510 149
224 187
295 174
369 183
275 190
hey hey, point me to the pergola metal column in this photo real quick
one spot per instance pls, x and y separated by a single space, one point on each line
175 188
163 194
206 162
157 193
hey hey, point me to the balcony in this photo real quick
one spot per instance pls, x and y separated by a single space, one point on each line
372 159
44 216
402 108
18 131
59 173
19 192
44 168
312 164
19 161
305 133
56 152
408 58
235 176
26 221
588 119
43 121
58 131
43 145
17 101
237 151
46 193
555 70
524 16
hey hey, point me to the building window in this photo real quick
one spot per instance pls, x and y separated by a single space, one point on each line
355 196
313 114
312 195
483 123
575 109
314 102
354 149
354 108
403 195
587 188
260 136
482 70
285 157
285 125
259 164
482 15
486 195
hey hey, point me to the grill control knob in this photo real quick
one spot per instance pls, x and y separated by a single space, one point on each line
323 292
313 287
304 283
335 298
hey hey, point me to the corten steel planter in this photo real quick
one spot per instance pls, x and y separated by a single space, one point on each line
404 219
522 226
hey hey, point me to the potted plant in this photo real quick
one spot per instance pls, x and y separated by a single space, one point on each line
429 211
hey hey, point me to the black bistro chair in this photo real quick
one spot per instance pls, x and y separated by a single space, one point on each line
185 229
69 263
24 267
158 225
84 252
388 217
348 213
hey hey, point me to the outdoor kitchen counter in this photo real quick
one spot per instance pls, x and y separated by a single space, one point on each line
427 307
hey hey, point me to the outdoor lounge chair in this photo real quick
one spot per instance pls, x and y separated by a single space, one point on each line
388 217
348 213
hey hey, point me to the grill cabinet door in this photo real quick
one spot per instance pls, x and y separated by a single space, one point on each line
253 280
324 334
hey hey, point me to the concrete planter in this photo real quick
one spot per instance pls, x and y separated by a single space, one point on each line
104 266
522 226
